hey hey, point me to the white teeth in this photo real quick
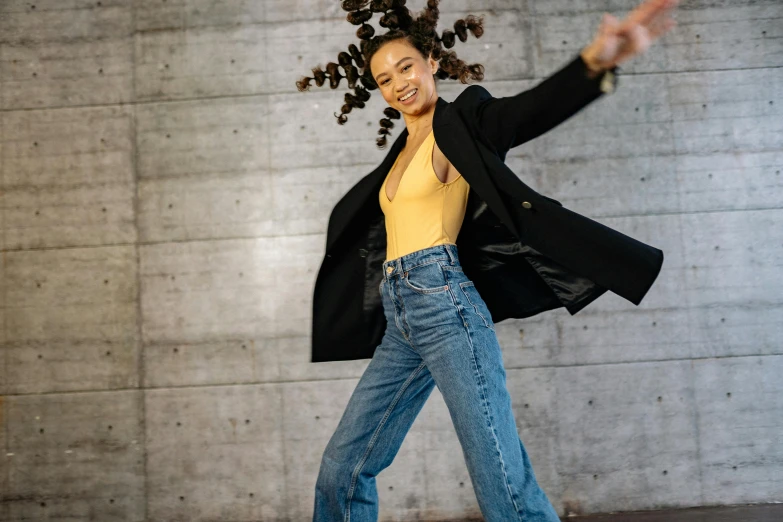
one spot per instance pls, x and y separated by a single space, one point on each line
408 95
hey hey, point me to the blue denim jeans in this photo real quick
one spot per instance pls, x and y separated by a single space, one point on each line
438 332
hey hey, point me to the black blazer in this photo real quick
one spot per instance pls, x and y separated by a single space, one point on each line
525 252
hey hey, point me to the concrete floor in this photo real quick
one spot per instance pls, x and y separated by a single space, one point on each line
762 513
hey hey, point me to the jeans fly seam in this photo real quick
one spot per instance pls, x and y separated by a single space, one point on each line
404 322
402 314
374 438
482 385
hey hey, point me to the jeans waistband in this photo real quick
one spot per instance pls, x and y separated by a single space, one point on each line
446 252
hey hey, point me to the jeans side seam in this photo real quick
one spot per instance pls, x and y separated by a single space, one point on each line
482 384
374 438
474 305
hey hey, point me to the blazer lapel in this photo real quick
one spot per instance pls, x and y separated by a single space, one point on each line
456 142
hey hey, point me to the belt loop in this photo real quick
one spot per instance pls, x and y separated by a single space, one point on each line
450 253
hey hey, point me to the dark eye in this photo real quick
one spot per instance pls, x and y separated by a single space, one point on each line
384 81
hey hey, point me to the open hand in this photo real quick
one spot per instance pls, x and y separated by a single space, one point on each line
618 41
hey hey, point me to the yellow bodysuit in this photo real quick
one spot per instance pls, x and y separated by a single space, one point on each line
424 211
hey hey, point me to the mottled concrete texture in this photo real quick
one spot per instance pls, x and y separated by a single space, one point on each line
164 195
762 513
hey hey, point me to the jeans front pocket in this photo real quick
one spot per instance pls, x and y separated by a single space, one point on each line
427 278
474 298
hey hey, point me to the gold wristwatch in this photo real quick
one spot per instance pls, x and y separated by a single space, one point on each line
609 81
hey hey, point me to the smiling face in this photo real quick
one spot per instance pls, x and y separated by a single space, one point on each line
399 69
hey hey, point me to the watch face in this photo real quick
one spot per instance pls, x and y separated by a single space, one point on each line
608 82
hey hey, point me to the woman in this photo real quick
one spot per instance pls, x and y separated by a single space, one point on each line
396 233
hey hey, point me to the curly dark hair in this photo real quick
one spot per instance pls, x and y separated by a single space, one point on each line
419 32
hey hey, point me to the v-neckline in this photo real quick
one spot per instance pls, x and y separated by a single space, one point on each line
386 181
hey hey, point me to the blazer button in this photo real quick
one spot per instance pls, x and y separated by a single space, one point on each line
526 204
362 252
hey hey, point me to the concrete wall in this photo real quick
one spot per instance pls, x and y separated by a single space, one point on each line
165 192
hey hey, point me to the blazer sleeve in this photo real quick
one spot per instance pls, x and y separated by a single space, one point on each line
511 121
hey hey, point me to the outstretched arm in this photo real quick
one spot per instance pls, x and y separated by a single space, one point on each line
510 121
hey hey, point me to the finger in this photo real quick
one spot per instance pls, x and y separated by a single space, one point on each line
664 14
661 24
609 24
663 28
643 12
647 11
640 38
